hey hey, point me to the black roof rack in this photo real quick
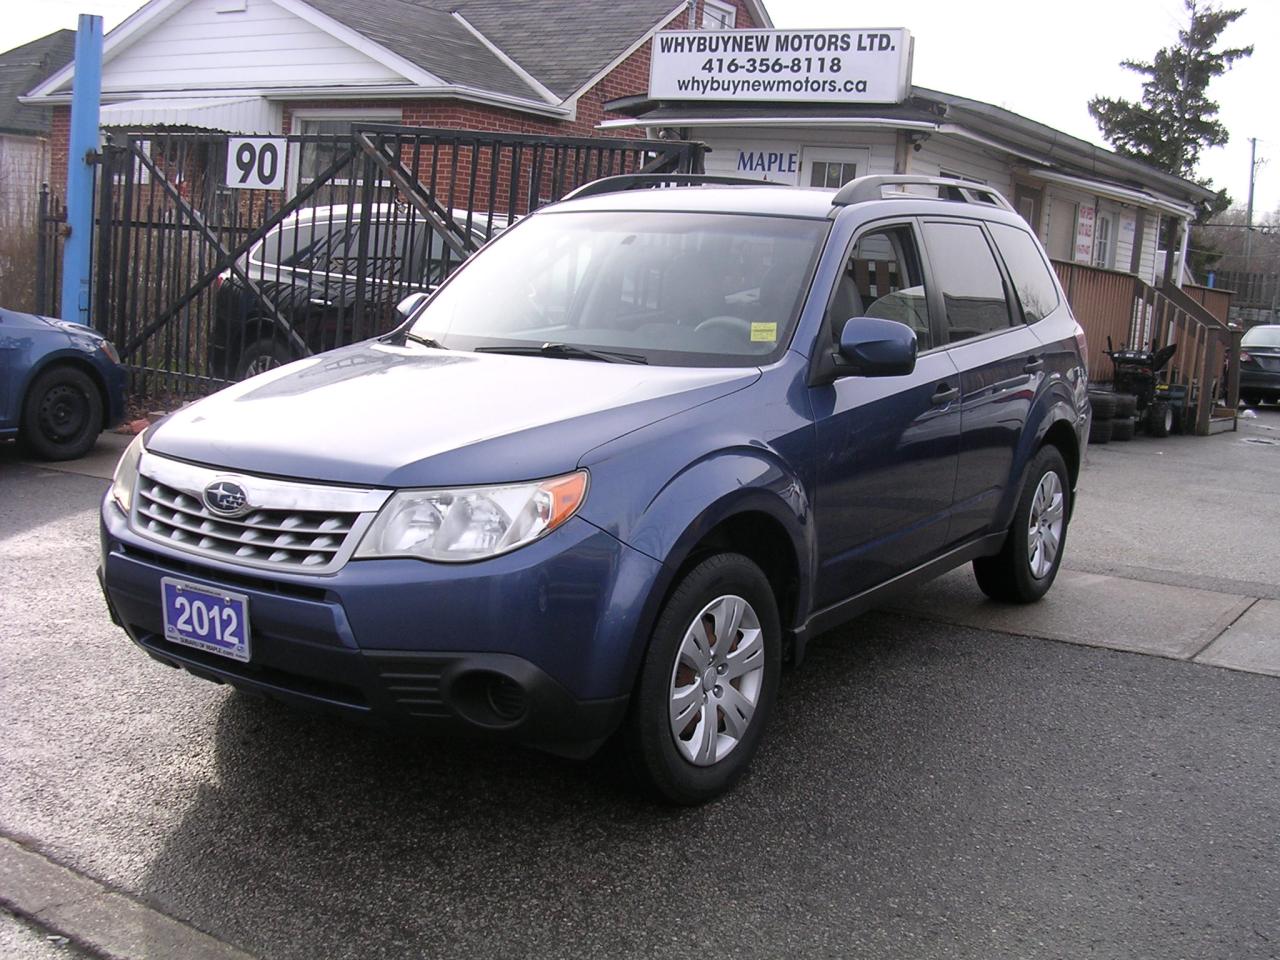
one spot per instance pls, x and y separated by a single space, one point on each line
872 188
652 181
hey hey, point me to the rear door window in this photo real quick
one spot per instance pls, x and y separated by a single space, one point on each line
1031 276
965 271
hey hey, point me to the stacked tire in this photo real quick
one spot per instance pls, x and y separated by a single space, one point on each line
1102 428
1124 423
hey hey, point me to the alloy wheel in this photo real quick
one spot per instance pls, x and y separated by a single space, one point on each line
260 365
1044 527
716 680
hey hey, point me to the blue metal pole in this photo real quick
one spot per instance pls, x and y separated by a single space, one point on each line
77 251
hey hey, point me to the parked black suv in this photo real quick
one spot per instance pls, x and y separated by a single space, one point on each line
308 271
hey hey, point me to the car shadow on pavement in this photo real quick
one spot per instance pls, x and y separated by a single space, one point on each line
322 837
921 783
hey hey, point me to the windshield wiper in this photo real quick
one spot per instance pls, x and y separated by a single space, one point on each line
425 341
567 351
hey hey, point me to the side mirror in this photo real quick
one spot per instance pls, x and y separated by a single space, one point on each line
871 347
410 304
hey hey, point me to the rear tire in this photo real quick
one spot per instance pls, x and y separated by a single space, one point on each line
260 356
1159 419
1027 564
61 414
699 711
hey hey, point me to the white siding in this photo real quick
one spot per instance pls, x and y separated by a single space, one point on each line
1126 224
1060 199
954 155
737 151
198 48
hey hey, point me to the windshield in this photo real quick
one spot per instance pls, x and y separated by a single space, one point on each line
1268 336
679 289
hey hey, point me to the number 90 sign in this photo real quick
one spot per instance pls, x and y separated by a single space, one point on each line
255 163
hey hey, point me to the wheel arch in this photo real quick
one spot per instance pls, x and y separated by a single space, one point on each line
768 523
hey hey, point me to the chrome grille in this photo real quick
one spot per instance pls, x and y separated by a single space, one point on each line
298 526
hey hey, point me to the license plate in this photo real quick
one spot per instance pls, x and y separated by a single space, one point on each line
216 621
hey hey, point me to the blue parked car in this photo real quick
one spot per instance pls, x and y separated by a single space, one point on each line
634 453
61 384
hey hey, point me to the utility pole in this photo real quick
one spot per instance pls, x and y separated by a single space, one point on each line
1248 216
82 154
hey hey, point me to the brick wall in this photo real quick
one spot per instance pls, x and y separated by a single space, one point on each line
59 142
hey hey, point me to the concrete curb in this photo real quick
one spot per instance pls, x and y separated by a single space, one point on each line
99 920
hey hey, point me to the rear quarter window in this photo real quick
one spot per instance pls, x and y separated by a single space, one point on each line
1032 276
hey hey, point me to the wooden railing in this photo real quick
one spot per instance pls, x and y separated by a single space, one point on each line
1103 302
1137 315
1213 299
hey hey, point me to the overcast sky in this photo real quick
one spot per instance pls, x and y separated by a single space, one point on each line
1038 59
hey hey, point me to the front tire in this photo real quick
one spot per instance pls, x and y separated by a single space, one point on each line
62 414
1027 564
708 681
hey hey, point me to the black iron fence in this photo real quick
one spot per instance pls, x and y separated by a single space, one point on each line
201 277
51 221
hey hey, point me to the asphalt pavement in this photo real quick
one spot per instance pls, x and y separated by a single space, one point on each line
928 788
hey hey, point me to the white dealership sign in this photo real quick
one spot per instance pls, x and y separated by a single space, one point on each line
846 66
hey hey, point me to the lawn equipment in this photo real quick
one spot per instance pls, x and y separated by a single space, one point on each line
1137 372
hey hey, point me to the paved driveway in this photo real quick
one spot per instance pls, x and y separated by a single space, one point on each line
929 789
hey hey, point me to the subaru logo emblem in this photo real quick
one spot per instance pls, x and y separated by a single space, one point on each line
226 498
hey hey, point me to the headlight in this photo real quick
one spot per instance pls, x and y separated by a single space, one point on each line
126 476
472 523
109 348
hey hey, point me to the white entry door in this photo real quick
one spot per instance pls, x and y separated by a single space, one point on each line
833 166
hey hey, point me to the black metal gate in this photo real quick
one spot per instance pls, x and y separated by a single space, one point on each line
200 283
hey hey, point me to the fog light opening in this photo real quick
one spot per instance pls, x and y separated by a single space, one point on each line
489 699
506 698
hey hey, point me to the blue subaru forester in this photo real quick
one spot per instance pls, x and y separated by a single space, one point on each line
639 448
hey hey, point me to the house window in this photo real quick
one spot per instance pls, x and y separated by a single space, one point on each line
1103 242
823 173
1164 231
319 154
332 131
718 16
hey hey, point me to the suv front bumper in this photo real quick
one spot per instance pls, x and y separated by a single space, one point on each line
538 646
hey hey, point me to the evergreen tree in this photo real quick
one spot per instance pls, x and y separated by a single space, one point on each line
1175 118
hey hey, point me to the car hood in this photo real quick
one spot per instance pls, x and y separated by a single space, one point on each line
407 416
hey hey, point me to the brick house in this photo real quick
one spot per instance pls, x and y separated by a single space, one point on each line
24 128
318 66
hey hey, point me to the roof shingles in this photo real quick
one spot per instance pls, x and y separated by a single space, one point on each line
21 69
561 44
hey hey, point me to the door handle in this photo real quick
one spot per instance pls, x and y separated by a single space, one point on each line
1034 364
944 394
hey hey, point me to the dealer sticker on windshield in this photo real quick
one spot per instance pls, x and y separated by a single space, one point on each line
764 332
216 621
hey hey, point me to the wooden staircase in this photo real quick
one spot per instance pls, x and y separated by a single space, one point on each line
1133 313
